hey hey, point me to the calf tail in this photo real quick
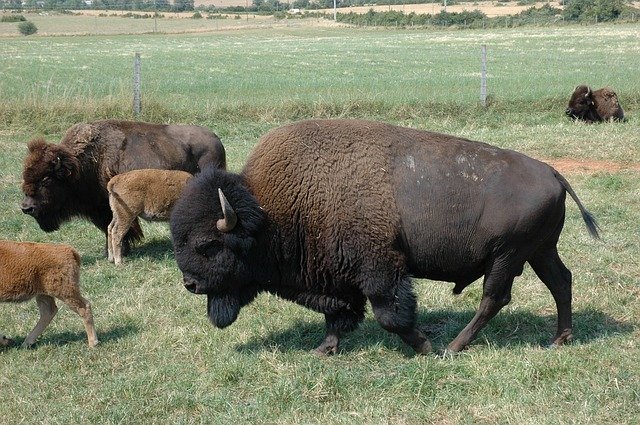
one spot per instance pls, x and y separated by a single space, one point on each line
589 219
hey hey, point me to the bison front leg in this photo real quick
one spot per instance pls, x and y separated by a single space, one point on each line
343 321
396 312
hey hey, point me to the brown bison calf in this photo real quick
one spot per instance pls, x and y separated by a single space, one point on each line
594 106
46 272
149 194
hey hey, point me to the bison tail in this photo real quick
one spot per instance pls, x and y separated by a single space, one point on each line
589 219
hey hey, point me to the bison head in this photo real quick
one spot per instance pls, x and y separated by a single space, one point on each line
48 170
581 104
214 226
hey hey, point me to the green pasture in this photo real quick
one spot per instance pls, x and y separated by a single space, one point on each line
161 361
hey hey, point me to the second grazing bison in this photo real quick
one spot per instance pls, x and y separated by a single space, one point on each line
332 213
69 179
594 105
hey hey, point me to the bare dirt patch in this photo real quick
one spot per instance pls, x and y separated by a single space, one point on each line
579 166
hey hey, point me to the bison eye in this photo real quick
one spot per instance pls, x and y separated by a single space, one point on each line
209 249
45 181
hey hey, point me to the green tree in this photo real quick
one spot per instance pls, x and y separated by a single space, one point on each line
183 5
27 28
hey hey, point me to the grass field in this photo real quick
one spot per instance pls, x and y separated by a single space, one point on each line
161 361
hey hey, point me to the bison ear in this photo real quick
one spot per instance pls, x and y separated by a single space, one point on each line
230 219
65 166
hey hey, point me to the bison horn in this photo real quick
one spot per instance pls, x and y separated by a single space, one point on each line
230 219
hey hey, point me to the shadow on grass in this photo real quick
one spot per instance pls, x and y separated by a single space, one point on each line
507 329
59 339
152 248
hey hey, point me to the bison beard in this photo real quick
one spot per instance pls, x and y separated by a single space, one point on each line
331 214
223 309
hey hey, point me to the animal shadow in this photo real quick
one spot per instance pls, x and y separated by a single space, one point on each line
154 248
59 339
507 329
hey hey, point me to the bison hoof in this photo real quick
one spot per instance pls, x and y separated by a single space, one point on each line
4 341
423 348
564 337
325 351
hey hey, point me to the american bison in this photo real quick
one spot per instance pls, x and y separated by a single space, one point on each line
148 193
44 271
69 179
594 106
332 213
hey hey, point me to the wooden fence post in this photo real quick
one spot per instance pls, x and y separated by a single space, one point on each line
483 77
136 85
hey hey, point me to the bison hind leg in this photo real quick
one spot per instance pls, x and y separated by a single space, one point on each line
557 277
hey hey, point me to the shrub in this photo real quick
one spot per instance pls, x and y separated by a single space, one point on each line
196 15
12 18
27 28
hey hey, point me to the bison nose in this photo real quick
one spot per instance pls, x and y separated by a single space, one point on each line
191 284
27 209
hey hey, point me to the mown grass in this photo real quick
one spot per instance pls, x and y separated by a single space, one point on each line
161 361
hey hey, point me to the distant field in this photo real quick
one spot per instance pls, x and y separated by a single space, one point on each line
160 361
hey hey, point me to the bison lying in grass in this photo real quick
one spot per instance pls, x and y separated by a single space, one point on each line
69 179
46 272
332 213
594 106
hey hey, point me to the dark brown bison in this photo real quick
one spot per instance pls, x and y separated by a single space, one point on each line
332 213
69 179
594 106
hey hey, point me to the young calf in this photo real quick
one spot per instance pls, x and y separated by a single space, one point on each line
44 271
149 194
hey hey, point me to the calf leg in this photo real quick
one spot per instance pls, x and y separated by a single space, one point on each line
83 308
557 277
496 294
395 311
110 240
121 226
48 309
